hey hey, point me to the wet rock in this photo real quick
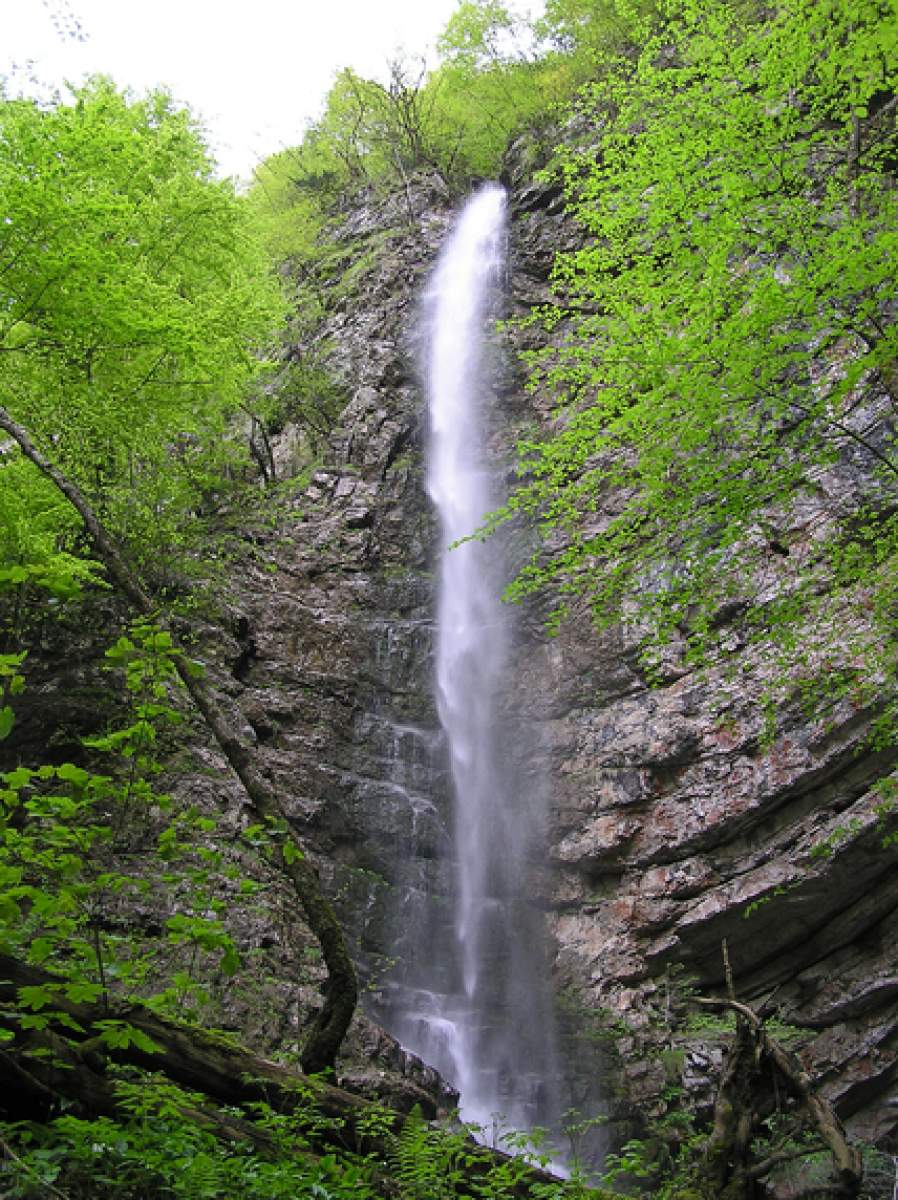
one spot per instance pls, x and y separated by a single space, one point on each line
674 826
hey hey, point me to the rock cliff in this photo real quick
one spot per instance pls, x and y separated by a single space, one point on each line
681 824
675 825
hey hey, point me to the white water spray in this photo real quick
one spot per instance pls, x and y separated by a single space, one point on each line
471 626
480 1011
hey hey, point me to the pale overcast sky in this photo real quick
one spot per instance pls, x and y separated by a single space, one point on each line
255 71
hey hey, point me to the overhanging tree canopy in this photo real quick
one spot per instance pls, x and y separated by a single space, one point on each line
133 294
726 334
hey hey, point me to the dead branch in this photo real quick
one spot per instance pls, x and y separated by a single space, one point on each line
753 1046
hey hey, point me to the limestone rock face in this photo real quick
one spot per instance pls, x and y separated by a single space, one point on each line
333 597
679 827
675 832
674 824
675 827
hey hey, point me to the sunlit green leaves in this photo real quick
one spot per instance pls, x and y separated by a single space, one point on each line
134 296
119 1035
455 119
67 835
728 327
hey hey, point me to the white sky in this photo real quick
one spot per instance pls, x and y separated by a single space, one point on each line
255 71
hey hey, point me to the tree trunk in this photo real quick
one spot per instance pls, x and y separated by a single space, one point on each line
340 992
727 1156
69 1072
753 1054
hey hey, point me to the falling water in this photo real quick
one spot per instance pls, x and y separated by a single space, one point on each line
485 1019
471 631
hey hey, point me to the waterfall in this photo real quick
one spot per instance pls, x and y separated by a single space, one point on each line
471 629
477 1004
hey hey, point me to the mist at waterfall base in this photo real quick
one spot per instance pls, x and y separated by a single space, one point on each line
475 1001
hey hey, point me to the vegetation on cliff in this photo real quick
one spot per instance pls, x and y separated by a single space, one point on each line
725 342
453 122
724 347
136 300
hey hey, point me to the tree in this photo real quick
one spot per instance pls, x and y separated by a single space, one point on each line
725 343
454 120
133 294
586 32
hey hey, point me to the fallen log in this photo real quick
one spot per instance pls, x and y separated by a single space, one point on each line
194 1058
66 1065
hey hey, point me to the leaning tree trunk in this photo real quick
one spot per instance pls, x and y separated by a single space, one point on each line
754 1055
727 1157
40 1068
340 992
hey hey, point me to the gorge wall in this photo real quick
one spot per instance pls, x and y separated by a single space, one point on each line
675 827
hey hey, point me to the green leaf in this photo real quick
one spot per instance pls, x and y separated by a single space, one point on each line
18 778
37 1021
122 651
292 852
14 575
68 1022
36 996
7 720
119 1035
83 991
40 949
69 773
230 960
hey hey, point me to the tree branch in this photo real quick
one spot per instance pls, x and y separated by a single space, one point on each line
848 1167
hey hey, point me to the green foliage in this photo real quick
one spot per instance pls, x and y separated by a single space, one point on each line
12 681
632 1161
762 901
67 835
477 34
726 343
159 1151
304 395
367 133
430 1163
480 110
134 293
284 204
576 1128
490 85
585 34
455 120
166 1145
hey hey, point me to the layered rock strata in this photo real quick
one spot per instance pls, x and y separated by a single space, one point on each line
675 826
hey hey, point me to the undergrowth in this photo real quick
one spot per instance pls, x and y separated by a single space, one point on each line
169 1144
